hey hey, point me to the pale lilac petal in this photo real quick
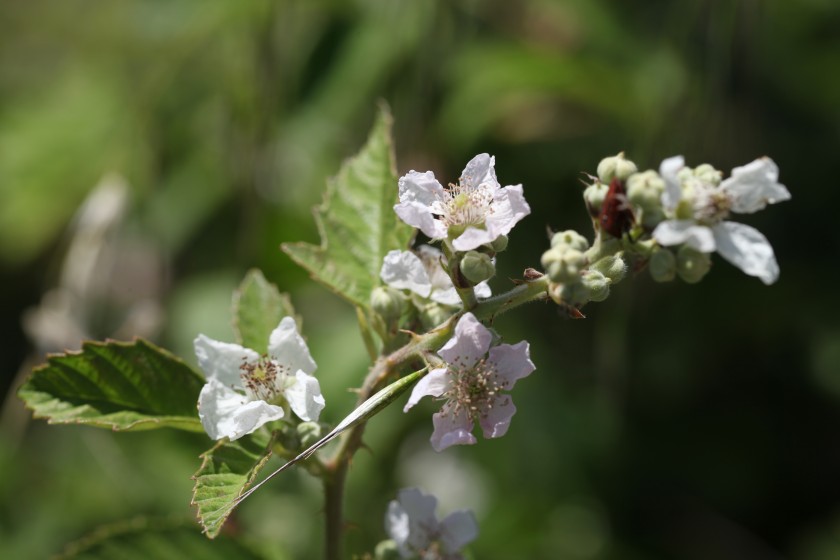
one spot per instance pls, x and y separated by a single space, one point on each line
509 207
479 172
512 362
420 216
483 290
289 349
470 343
668 169
675 232
457 530
748 249
411 521
495 420
422 188
404 270
222 360
304 397
451 429
226 413
754 186
448 296
433 384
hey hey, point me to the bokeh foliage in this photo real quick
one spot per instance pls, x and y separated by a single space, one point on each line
674 422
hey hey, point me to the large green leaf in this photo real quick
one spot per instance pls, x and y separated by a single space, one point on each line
158 539
257 309
117 385
357 222
228 468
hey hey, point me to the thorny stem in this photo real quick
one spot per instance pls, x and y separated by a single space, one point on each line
386 367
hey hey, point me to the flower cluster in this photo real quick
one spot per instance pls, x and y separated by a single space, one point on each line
245 390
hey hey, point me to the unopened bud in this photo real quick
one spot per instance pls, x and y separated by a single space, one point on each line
615 167
575 294
569 238
692 265
499 244
662 265
563 264
434 314
597 284
309 433
387 550
708 174
477 267
388 303
613 267
594 196
644 191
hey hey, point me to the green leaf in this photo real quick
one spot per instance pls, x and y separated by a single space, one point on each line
357 222
160 539
228 468
257 309
117 385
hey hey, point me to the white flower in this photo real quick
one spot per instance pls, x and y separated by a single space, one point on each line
749 189
245 390
423 274
475 211
412 524
472 383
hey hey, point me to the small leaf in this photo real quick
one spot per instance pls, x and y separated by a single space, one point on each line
357 222
257 309
228 468
117 385
161 539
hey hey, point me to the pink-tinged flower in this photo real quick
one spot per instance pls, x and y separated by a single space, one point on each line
699 209
472 385
412 524
245 390
422 273
472 213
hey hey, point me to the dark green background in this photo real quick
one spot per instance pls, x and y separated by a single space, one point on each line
676 421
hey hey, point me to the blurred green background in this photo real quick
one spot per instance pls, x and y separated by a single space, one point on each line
676 421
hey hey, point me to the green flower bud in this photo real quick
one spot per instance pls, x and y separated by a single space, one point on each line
388 303
387 550
569 238
499 244
613 267
575 294
708 174
594 196
615 166
434 314
662 265
692 265
563 264
477 267
597 284
308 433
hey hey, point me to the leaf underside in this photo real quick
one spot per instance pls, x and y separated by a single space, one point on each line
258 308
226 471
117 385
356 221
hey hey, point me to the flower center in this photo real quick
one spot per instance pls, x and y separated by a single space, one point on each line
711 205
466 205
263 379
474 389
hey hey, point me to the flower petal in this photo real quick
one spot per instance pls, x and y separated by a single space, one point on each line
472 238
470 343
433 384
411 520
304 396
496 419
748 249
420 216
754 186
418 187
512 362
222 360
675 232
226 413
451 429
479 172
668 169
288 348
483 290
404 270
457 530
